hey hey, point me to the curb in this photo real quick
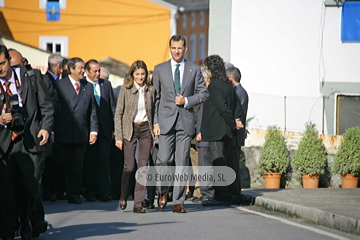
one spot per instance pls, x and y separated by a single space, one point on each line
313 215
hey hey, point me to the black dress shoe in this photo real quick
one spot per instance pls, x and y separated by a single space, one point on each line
115 196
214 202
39 227
105 198
148 204
74 200
90 198
204 198
26 232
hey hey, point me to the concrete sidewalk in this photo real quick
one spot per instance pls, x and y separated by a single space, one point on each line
332 207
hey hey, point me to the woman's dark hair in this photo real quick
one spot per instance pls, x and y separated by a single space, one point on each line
215 65
129 79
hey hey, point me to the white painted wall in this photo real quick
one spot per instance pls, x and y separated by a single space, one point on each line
277 46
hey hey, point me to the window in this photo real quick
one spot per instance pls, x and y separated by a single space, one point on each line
202 18
184 20
347 112
202 46
2 3
42 3
58 45
193 47
193 19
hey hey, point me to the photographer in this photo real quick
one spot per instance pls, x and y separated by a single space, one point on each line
24 104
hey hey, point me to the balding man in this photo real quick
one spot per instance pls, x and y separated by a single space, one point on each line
104 73
54 67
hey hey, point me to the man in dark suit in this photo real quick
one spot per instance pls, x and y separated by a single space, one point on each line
75 126
39 225
221 112
20 149
96 164
238 140
179 87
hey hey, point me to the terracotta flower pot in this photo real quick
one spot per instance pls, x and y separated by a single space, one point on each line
310 181
272 180
349 180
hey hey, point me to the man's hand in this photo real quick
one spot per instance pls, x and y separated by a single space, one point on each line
92 139
246 133
179 100
45 135
238 124
5 118
119 144
198 137
156 130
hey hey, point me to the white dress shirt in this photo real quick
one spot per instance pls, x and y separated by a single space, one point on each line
97 88
181 68
13 85
140 114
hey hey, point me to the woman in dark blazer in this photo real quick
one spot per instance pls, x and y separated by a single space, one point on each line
133 127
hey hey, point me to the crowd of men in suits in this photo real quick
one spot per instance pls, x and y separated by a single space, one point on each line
67 147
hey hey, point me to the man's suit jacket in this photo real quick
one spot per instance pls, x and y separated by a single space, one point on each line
244 100
192 87
38 111
106 110
220 112
77 117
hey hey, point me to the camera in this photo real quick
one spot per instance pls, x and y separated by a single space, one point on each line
17 123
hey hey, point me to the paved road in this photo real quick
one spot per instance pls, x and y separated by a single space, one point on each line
99 220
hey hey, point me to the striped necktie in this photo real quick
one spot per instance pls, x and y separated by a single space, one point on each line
177 79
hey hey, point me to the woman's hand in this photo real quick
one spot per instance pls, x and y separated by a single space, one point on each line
119 144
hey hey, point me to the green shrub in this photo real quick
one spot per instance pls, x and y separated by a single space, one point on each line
347 158
274 156
310 157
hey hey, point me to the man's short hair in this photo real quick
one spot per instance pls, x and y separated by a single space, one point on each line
4 50
54 60
72 62
227 65
91 61
177 38
234 72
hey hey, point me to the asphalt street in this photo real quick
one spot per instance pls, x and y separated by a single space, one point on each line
99 220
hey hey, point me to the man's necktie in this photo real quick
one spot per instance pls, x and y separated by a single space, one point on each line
96 95
177 79
9 93
77 89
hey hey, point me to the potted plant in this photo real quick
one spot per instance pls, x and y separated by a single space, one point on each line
347 158
310 157
274 157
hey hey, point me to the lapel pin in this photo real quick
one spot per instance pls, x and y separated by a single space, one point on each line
190 70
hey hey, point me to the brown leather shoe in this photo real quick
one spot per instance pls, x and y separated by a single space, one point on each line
123 204
139 210
162 201
178 208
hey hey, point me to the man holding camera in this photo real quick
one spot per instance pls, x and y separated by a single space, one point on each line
25 122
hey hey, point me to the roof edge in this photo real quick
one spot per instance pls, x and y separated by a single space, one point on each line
165 4
190 9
